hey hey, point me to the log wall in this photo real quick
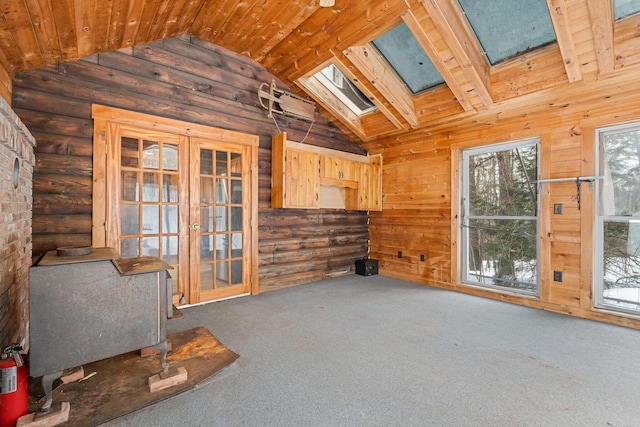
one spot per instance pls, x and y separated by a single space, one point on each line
421 196
187 79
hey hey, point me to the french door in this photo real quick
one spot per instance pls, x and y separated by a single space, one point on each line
189 200
218 223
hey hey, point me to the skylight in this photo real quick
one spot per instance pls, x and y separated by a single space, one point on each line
625 8
334 80
509 28
405 55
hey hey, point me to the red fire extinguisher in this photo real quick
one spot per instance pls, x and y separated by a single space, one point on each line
14 392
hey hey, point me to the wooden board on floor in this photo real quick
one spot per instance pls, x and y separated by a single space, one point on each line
120 384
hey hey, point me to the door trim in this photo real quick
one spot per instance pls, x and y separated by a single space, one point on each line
107 119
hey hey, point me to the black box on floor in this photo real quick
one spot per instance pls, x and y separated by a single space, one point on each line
367 267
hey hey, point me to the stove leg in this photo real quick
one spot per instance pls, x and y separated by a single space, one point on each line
47 385
162 346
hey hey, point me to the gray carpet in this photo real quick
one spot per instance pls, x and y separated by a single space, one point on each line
374 351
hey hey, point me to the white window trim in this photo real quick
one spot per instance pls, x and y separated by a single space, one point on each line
598 282
464 208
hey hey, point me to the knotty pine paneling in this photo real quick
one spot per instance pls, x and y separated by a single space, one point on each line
186 80
420 190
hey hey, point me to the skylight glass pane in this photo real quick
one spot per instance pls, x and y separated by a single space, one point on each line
509 28
405 55
624 8
335 80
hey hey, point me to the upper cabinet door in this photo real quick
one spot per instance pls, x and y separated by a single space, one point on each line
301 183
338 168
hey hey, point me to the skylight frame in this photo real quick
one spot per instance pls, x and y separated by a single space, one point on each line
336 103
331 85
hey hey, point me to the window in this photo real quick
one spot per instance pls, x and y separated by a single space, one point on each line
337 83
625 8
618 219
509 28
407 58
499 217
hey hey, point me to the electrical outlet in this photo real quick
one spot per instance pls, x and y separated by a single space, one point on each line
557 276
557 208
399 254
422 258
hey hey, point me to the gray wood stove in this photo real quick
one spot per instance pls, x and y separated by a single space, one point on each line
92 306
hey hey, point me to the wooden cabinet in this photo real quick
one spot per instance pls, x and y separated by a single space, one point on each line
295 176
310 177
370 196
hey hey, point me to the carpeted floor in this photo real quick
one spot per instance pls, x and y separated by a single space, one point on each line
374 351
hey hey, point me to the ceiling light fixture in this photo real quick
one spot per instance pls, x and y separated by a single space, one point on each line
327 3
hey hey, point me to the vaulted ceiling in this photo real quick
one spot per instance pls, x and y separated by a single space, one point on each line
294 39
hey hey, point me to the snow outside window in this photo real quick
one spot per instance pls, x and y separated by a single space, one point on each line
500 216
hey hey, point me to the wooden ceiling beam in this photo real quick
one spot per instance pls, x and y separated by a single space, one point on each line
448 18
560 20
601 15
384 80
347 68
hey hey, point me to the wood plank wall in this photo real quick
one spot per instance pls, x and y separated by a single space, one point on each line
188 79
421 196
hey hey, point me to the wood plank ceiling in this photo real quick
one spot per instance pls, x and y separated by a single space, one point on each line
295 38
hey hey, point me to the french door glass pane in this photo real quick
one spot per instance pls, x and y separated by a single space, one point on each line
129 219
206 277
150 187
206 248
129 152
170 249
129 248
150 224
150 246
170 188
206 190
169 219
129 186
150 154
206 162
236 272
169 157
236 191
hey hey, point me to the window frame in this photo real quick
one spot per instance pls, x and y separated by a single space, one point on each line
463 229
599 219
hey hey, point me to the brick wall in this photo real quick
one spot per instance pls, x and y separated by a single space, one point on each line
16 143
